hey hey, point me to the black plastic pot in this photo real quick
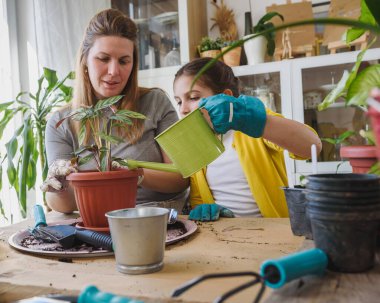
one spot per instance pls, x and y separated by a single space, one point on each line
343 182
350 243
296 201
327 200
344 212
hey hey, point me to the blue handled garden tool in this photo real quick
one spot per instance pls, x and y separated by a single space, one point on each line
66 235
273 273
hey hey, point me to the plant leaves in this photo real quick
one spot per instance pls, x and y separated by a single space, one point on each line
365 16
5 105
85 159
337 92
102 104
51 77
110 138
373 8
360 88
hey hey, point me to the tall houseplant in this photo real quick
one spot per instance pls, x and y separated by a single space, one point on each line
256 48
26 147
106 189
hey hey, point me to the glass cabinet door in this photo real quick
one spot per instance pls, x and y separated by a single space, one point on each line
337 119
158 30
269 83
313 79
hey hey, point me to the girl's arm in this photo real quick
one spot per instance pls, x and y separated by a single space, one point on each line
294 136
164 182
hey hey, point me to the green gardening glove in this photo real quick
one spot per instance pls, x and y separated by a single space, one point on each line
209 212
245 114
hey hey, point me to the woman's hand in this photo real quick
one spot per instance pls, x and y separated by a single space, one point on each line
246 114
56 177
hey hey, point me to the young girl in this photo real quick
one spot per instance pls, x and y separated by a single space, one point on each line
246 179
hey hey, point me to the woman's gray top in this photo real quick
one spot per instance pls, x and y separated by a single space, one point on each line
155 105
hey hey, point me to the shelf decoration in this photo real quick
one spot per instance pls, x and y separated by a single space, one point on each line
297 40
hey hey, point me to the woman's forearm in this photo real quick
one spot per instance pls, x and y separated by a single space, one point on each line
63 202
164 182
296 137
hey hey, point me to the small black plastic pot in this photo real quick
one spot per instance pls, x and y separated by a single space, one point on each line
296 201
349 240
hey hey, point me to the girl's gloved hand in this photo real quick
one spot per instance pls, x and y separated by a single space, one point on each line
56 177
209 212
245 114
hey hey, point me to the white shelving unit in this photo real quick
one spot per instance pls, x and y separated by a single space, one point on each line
289 80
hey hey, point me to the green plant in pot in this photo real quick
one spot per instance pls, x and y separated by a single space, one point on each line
210 47
25 149
231 58
256 48
108 188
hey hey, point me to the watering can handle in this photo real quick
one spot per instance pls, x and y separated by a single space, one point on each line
133 164
277 272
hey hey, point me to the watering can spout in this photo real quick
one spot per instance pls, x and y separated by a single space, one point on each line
133 164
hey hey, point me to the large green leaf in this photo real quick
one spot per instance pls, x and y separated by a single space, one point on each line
51 77
359 89
366 16
373 7
23 170
336 93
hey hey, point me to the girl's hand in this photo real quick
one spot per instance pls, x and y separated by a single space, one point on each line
246 114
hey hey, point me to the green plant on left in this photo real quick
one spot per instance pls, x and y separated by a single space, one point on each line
26 146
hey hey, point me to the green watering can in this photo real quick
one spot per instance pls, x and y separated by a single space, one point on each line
190 143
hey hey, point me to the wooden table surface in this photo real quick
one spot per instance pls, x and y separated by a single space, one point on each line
228 245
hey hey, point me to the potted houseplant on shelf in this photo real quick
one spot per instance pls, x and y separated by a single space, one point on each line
231 58
107 189
26 149
259 46
210 47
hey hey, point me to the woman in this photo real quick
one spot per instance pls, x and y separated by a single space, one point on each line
246 179
107 66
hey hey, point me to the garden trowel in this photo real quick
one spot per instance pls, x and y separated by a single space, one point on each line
66 235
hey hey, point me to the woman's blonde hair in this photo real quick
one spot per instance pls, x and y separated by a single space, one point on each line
109 22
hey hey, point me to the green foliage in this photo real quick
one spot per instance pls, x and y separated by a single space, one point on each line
354 87
100 126
263 25
26 147
208 43
340 139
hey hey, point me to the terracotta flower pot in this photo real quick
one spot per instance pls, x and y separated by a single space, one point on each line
232 58
361 157
211 54
375 121
97 193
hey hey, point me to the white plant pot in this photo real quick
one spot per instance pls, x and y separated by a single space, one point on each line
255 49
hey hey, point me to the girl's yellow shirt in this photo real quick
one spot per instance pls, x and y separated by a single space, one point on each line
264 167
